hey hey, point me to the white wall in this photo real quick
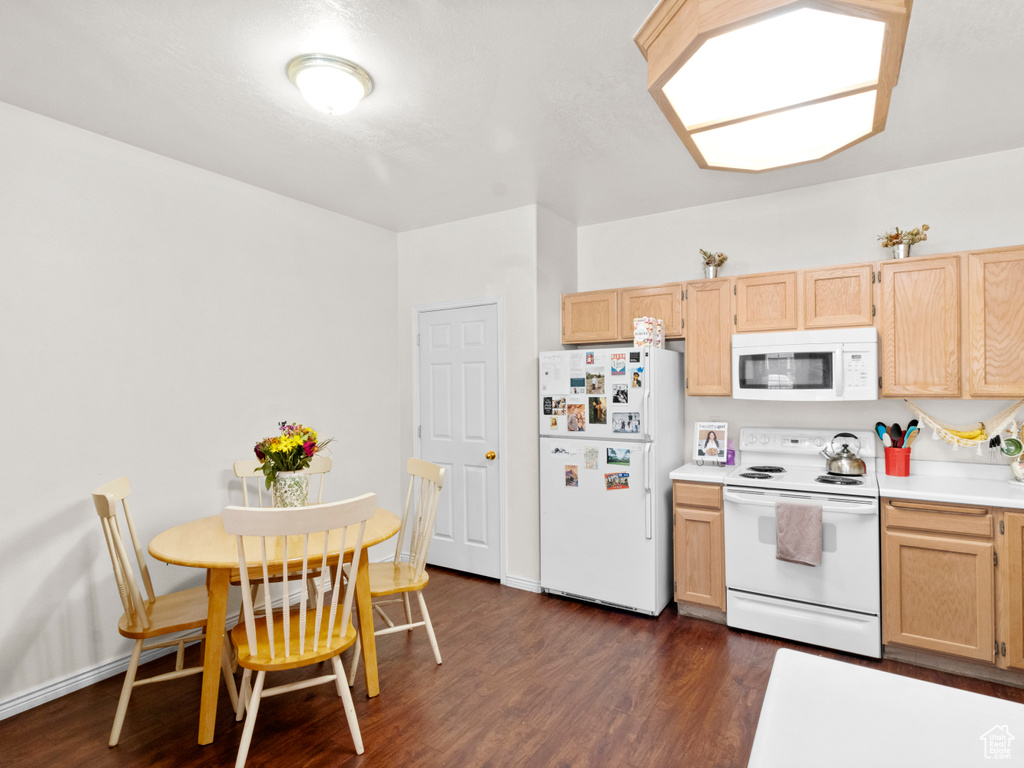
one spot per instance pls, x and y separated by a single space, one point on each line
971 203
158 320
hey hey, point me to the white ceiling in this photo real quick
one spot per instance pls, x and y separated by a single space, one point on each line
478 105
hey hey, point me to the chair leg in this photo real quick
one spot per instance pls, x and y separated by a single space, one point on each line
250 720
225 668
244 695
346 698
356 650
126 693
429 626
408 608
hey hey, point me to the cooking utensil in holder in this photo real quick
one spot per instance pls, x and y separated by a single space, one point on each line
897 462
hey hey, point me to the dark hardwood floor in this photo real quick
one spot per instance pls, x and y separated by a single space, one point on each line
527 680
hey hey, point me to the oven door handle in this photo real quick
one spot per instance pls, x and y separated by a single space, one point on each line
771 501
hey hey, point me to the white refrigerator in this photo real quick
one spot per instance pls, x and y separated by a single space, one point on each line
611 426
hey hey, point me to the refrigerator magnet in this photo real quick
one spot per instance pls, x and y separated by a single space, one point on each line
620 393
591 456
616 481
578 385
598 410
636 376
617 456
618 363
558 406
590 358
549 404
577 418
554 423
572 476
626 421
595 381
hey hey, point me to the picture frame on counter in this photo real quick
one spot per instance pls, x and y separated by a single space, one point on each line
710 440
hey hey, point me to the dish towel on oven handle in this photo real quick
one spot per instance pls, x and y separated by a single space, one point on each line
798 533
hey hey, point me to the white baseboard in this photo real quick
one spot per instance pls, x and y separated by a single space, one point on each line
517 582
86 677
74 682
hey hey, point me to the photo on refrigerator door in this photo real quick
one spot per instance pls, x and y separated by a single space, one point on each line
577 385
618 456
591 456
620 394
595 381
577 419
636 376
618 363
572 475
558 406
626 421
554 423
616 481
598 410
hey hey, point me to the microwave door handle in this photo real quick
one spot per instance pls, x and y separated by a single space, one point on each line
840 371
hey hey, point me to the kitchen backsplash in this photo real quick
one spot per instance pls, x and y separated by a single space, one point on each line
850 415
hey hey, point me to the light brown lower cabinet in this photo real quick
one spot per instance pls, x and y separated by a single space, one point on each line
953 580
699 543
1013 592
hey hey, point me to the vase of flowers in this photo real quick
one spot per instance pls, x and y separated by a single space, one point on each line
711 262
284 457
900 240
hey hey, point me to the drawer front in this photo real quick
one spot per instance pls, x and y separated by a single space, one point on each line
938 518
686 494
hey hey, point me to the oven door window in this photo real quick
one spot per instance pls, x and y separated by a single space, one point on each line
782 370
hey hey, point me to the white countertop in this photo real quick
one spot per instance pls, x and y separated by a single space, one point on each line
987 485
706 474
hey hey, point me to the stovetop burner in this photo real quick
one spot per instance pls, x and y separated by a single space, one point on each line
838 480
767 468
756 475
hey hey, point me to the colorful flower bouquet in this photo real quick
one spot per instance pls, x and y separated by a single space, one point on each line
292 450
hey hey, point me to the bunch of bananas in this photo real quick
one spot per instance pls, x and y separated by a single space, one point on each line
973 434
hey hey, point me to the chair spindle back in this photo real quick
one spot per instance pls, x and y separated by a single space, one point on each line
419 512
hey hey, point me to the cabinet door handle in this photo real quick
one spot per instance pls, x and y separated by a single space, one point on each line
937 507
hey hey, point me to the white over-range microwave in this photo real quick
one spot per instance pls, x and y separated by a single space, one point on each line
833 364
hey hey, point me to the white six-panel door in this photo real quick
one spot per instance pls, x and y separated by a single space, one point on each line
459 417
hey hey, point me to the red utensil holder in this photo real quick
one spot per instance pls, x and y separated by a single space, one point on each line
897 462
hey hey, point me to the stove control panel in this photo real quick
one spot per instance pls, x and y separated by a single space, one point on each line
799 441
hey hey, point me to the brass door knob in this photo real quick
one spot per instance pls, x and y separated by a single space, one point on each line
490 455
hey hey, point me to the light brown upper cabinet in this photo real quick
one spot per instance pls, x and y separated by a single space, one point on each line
662 301
708 338
589 317
995 322
766 302
920 329
837 297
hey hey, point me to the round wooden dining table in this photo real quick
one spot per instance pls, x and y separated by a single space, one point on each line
205 544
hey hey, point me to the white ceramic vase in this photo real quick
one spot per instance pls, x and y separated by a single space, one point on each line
290 489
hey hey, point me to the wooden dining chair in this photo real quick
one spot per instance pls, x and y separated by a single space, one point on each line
402 578
248 470
149 616
288 636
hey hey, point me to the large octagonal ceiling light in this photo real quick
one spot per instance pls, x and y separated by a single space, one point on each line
328 83
751 85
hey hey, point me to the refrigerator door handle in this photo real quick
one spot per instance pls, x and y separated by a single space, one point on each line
648 494
648 386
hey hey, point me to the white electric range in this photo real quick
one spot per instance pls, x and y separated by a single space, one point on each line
836 604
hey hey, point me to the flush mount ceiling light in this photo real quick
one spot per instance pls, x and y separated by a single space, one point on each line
328 83
751 85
